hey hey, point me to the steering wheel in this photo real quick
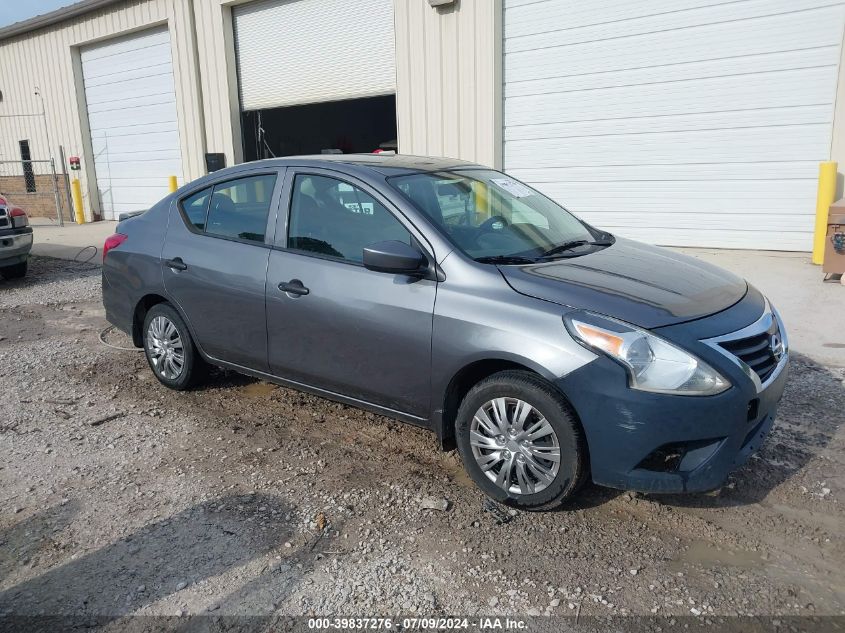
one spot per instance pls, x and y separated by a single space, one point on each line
487 225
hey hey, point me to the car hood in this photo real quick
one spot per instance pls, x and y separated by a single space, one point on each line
648 286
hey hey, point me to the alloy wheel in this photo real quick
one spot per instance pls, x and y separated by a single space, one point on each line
515 446
164 345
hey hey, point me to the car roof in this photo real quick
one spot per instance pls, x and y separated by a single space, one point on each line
387 164
361 165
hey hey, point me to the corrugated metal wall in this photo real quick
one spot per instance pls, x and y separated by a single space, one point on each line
448 78
837 149
49 60
448 83
218 78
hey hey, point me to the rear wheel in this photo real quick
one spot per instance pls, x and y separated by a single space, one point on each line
169 349
520 441
16 271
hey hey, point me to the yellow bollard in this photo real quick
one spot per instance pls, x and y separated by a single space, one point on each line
76 192
824 198
482 201
174 185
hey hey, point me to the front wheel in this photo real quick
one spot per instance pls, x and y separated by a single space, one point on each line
169 349
520 441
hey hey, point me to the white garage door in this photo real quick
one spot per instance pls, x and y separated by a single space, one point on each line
293 52
131 101
679 122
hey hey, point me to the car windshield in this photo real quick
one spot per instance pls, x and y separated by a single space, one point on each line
494 218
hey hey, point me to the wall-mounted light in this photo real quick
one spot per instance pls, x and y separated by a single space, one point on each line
441 3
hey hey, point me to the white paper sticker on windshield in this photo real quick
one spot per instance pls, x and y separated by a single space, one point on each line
516 189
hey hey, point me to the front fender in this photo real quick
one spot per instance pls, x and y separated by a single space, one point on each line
485 320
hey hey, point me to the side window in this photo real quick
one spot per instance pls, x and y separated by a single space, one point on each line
238 208
334 218
195 207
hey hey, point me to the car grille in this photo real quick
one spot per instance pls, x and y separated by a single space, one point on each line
756 351
5 221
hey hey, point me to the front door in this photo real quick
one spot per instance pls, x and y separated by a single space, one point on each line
214 264
332 323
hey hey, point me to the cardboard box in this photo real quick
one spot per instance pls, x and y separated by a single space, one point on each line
834 262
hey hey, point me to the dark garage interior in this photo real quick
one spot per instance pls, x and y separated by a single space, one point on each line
351 126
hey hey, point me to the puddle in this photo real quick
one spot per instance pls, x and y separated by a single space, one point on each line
462 478
259 389
708 555
456 471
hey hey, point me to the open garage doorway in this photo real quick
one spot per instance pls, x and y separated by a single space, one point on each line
348 126
315 75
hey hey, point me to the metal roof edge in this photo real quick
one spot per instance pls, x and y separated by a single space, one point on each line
53 17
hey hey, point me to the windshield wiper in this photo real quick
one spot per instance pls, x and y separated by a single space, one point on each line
504 259
567 246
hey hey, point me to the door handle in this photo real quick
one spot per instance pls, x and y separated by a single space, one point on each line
176 264
294 287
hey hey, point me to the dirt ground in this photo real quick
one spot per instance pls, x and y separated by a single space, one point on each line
243 498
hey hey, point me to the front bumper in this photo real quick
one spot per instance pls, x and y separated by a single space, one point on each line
15 245
665 443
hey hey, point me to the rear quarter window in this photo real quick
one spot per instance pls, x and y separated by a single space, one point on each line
195 208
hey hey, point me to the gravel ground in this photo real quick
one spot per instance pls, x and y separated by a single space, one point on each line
247 498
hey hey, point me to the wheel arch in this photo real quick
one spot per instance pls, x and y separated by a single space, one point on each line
468 376
140 312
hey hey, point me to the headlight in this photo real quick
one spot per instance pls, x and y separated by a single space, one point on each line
653 364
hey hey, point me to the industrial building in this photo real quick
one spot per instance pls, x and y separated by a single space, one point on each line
682 122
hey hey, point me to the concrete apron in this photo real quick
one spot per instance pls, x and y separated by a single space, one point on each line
813 311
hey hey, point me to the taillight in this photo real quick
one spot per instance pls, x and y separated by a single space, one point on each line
19 218
113 241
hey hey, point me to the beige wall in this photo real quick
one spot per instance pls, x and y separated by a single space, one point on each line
837 146
49 59
218 77
449 100
449 79
448 67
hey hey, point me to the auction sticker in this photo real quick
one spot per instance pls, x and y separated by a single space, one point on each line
516 189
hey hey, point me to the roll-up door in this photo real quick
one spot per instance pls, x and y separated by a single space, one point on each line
679 122
131 101
292 52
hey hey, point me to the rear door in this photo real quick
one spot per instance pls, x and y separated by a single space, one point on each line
346 329
214 264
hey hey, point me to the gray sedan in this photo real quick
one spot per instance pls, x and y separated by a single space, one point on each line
456 298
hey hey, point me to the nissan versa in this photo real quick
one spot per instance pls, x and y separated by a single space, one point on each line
456 298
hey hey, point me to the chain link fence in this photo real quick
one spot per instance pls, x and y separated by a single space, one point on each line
36 187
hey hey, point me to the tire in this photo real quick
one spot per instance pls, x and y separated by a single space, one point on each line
535 481
165 335
16 271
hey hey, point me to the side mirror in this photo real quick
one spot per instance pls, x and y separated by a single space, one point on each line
393 257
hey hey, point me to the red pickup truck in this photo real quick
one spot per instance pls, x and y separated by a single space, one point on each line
15 240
